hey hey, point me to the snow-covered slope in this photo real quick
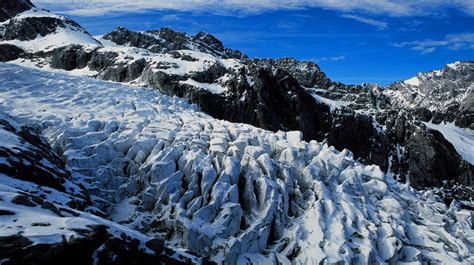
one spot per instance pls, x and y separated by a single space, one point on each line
230 191
38 30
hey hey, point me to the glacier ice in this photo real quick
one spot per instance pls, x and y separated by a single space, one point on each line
233 192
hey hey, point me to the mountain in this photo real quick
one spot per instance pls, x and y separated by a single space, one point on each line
274 94
441 95
143 163
162 180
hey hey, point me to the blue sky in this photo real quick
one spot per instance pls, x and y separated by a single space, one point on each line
365 41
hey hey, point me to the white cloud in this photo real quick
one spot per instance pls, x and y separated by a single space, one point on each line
378 24
396 8
451 41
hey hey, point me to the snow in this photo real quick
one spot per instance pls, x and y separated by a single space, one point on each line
333 104
229 191
455 65
461 138
213 88
62 37
414 81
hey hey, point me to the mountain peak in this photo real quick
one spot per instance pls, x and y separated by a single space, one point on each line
209 40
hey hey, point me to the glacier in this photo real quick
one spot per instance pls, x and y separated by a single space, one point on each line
232 192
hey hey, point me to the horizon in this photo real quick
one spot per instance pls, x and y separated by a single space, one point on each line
350 44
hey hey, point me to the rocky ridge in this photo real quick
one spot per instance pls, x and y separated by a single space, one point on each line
444 95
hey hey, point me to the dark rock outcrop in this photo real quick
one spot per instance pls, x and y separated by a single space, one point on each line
9 52
70 58
24 155
30 27
10 8
307 73
428 159
94 245
25 164
357 133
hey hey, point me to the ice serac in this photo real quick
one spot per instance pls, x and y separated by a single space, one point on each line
229 191
47 216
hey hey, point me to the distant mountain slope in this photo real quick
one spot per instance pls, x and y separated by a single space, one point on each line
230 191
447 93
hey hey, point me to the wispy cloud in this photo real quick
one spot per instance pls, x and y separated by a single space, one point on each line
451 42
398 8
171 17
380 25
332 59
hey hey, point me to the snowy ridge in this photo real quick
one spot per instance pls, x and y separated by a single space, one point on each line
66 32
230 191
436 90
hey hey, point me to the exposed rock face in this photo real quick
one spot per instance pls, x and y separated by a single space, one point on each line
70 58
365 97
271 103
447 93
10 8
29 28
95 246
306 73
166 40
427 157
9 52
357 132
